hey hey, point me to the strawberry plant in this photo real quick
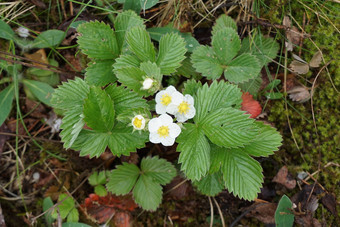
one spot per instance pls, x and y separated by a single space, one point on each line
216 139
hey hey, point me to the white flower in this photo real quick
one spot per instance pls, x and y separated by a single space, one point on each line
147 83
138 122
184 110
163 130
166 97
23 32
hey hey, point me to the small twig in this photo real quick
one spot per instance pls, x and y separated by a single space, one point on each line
211 212
220 212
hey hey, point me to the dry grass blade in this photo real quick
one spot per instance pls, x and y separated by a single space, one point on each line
15 9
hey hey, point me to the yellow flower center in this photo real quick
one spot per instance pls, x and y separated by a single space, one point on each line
137 122
163 131
183 108
166 99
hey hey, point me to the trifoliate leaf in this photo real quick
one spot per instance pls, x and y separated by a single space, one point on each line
99 73
222 22
191 87
42 91
126 102
252 86
6 99
70 95
242 69
211 184
241 173
218 95
123 23
140 43
98 110
265 49
205 61
283 214
152 70
147 193
122 179
65 207
72 124
195 152
125 61
158 169
98 40
132 78
229 127
171 53
267 141
226 44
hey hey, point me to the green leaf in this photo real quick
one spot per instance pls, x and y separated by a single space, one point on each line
74 224
132 5
191 87
73 216
98 40
70 94
265 49
99 73
226 45
229 127
284 216
91 143
242 69
126 102
100 190
97 178
195 152
241 173
211 184
156 33
252 86
6 99
152 70
132 78
98 110
124 22
47 204
158 169
205 61
123 178
147 4
125 61
273 95
218 95
267 141
6 31
272 85
171 53
72 124
40 90
140 43
222 22
147 193
49 38
65 207
187 70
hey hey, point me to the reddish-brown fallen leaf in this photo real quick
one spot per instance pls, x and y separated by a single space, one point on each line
103 208
284 178
250 105
122 219
264 212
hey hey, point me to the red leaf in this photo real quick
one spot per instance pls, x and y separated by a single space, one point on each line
122 219
250 105
103 208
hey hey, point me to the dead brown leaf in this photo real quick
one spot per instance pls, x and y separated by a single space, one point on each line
284 178
316 60
299 94
264 212
39 56
299 67
329 202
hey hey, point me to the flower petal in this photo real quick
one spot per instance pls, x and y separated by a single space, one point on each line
191 113
174 130
160 108
168 141
155 138
176 98
159 96
165 119
154 124
172 109
189 99
171 89
181 117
